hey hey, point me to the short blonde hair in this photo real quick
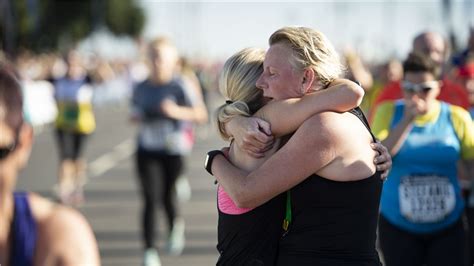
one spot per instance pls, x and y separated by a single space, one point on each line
311 49
161 40
237 83
164 42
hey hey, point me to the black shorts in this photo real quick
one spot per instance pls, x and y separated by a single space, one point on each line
70 144
403 248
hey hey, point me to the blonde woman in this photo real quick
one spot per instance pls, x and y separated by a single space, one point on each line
249 236
335 187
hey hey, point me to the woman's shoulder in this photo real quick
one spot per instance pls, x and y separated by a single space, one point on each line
55 219
458 112
348 140
41 207
63 232
332 121
336 128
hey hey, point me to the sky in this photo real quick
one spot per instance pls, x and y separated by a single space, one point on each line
375 29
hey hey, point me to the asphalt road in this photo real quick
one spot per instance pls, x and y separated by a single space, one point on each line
112 197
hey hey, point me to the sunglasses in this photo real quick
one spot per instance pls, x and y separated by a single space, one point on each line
5 151
424 87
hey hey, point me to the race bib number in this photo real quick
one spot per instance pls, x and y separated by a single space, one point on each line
176 143
426 199
153 135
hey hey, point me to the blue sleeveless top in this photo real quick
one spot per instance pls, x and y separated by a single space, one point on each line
422 193
23 232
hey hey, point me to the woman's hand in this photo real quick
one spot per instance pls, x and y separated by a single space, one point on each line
168 107
251 134
383 161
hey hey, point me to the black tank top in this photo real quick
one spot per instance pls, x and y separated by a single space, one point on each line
333 223
251 238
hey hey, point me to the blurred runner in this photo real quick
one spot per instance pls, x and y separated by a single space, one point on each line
33 230
75 121
162 109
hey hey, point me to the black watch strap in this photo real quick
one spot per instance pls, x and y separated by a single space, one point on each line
209 158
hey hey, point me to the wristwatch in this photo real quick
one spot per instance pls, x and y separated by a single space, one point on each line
209 158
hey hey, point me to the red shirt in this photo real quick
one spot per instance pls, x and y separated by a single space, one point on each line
450 92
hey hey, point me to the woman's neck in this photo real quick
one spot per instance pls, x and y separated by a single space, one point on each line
160 77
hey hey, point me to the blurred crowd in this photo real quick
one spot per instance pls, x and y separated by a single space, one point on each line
379 80
114 78
111 78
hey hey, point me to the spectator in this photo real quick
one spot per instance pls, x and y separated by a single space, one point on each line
33 230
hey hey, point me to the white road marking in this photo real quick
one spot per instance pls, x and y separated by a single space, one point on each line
109 160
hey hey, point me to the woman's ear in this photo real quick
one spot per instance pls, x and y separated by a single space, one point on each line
25 143
308 80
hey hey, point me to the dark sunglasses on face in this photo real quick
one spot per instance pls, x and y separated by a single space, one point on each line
424 87
5 151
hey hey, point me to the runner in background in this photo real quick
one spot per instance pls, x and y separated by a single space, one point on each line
163 111
74 123
422 205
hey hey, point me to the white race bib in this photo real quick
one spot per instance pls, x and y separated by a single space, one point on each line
161 135
153 135
426 199
175 142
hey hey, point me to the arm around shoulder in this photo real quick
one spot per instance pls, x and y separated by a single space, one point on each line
285 116
304 154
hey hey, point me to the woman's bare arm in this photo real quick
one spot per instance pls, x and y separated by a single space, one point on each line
74 241
255 134
304 154
197 113
285 116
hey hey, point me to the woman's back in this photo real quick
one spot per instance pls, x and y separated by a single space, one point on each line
332 220
350 142
336 221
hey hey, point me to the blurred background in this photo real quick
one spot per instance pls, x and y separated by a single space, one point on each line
111 37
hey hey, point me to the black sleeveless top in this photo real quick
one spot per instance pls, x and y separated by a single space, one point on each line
333 223
251 238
